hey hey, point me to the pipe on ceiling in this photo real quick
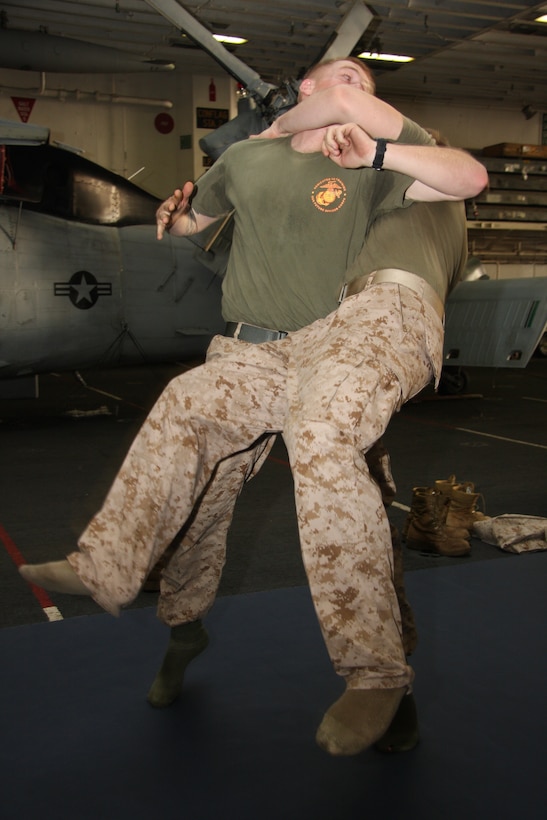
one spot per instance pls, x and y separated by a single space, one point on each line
76 95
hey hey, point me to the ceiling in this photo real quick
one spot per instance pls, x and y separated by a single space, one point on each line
480 53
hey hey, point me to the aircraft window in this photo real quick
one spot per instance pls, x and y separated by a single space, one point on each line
56 191
21 178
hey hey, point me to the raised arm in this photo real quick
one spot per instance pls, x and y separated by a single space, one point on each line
177 216
339 104
440 173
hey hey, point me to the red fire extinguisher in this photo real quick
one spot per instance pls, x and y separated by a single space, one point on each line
212 91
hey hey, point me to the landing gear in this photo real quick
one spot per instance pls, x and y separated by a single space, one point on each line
541 349
453 381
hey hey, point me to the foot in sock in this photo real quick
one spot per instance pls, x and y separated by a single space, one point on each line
403 733
358 719
55 576
186 642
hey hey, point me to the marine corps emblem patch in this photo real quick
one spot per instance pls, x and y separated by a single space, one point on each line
329 194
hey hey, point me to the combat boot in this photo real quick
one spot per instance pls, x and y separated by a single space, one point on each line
427 530
445 485
416 507
462 509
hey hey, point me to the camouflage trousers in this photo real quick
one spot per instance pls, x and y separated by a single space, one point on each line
331 389
191 567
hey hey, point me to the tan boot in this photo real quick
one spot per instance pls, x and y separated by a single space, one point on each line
427 530
445 485
462 511
416 508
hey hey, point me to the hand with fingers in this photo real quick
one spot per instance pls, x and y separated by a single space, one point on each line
173 208
349 146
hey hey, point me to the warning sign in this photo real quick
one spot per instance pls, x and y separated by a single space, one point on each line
24 106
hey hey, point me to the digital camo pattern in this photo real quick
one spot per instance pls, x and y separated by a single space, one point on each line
193 564
331 388
513 533
190 580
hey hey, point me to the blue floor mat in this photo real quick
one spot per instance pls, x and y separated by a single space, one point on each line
79 741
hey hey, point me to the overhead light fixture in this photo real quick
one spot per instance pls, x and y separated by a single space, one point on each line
226 38
541 19
387 58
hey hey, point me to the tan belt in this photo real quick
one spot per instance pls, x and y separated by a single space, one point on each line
398 277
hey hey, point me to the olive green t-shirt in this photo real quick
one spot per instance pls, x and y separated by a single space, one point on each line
428 239
299 223
414 134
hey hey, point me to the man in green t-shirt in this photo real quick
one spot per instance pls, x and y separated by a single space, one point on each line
330 387
439 253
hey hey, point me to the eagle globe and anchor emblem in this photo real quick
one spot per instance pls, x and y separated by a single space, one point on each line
329 194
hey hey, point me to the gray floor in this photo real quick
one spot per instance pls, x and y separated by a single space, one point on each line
60 453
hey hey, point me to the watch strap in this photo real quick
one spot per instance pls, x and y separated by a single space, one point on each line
378 161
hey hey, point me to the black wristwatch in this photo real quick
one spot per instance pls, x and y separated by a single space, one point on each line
378 161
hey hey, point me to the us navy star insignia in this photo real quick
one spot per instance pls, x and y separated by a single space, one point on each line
83 289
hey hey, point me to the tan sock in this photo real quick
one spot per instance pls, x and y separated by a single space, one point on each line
55 576
358 719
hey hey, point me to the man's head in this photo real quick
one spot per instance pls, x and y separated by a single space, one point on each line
439 138
345 71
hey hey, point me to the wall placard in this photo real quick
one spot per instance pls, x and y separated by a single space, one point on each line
211 117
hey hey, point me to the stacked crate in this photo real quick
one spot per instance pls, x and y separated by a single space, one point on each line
507 222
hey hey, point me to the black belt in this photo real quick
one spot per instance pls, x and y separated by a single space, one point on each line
252 333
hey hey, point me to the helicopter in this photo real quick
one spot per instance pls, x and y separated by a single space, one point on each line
84 281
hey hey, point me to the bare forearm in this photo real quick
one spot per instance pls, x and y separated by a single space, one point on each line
440 172
451 172
340 104
183 224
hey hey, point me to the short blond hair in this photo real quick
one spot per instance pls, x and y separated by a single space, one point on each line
369 84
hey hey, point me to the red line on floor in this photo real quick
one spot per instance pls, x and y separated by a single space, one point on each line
41 596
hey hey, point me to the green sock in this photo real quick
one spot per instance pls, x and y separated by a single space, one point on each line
185 643
403 733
